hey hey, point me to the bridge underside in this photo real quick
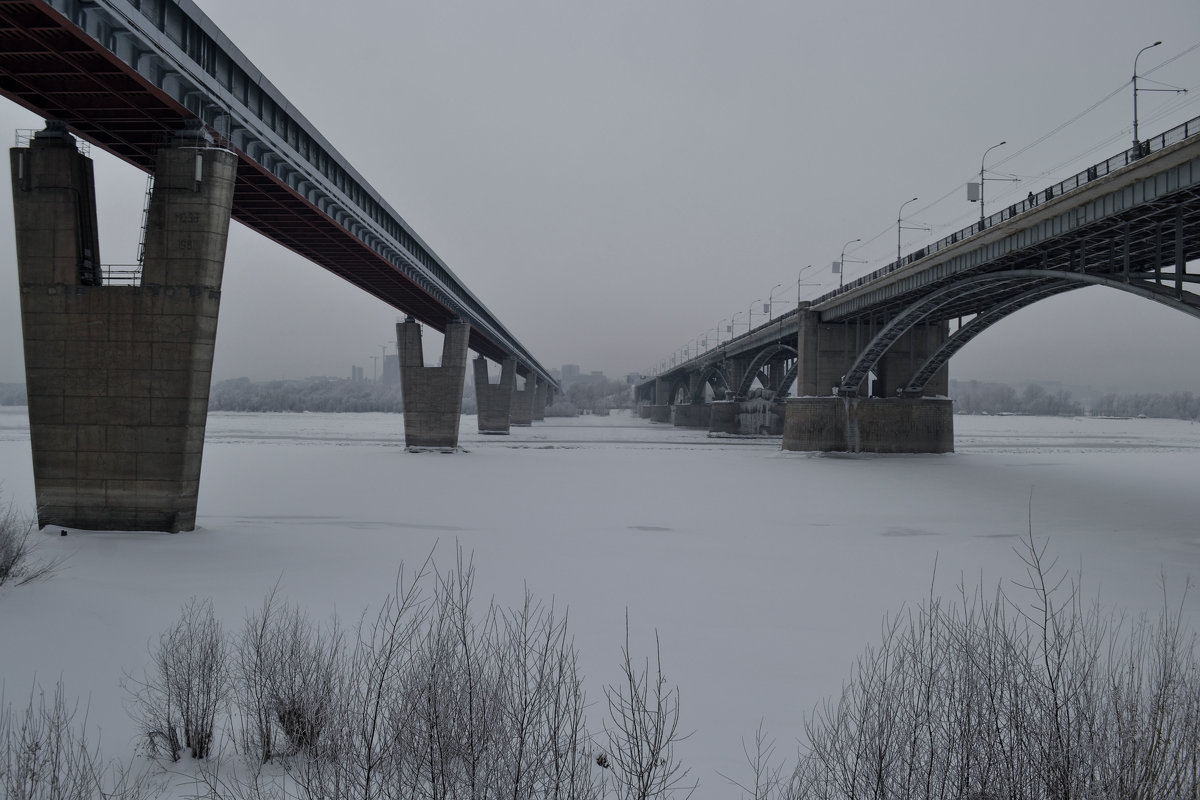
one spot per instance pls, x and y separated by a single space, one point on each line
59 72
1145 253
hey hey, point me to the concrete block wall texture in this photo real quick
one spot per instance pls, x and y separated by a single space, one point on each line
539 401
907 355
118 376
660 413
432 395
692 415
826 353
522 404
869 425
494 400
758 416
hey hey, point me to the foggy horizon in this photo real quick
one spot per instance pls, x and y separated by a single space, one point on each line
615 182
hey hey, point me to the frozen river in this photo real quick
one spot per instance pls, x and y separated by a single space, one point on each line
765 573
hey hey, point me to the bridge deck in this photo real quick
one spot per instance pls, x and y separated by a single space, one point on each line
126 74
1130 218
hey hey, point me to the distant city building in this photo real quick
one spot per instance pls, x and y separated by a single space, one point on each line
356 373
572 375
391 370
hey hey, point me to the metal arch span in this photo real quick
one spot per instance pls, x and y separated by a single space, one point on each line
713 375
1042 283
759 361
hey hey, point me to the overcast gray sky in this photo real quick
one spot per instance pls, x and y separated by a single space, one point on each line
615 178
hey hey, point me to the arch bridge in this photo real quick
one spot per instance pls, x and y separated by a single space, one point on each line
870 360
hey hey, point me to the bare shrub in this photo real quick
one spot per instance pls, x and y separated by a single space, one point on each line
643 729
1003 697
17 563
177 703
285 670
45 755
435 700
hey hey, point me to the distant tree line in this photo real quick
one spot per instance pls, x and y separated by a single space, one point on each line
12 394
982 397
591 395
308 394
1177 405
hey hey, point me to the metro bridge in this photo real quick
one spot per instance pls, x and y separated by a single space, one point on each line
1130 223
118 375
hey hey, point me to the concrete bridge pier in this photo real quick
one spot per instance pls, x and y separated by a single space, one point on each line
540 392
522 403
118 375
692 415
870 424
661 410
754 416
432 395
494 400
819 420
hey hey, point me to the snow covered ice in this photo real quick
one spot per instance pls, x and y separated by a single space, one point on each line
764 572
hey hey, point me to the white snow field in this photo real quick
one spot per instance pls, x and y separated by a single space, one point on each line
765 573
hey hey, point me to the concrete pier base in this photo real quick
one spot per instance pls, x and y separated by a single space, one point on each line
660 413
494 401
522 404
539 402
643 410
432 395
758 416
870 424
118 375
692 415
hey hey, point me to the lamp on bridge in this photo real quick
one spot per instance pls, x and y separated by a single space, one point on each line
799 284
1137 143
769 306
975 190
839 266
899 227
750 319
732 322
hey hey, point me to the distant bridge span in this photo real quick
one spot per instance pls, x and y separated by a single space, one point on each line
1130 223
127 74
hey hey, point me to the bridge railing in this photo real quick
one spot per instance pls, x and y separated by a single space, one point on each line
1119 161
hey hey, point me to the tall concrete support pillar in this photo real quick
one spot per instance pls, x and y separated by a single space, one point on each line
826 352
494 401
539 400
522 403
118 376
906 356
692 415
432 395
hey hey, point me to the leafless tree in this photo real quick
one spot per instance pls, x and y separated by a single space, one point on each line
643 729
45 755
176 704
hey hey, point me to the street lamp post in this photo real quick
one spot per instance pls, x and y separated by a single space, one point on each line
720 325
799 284
842 262
899 227
771 302
981 179
732 322
1137 143
750 319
